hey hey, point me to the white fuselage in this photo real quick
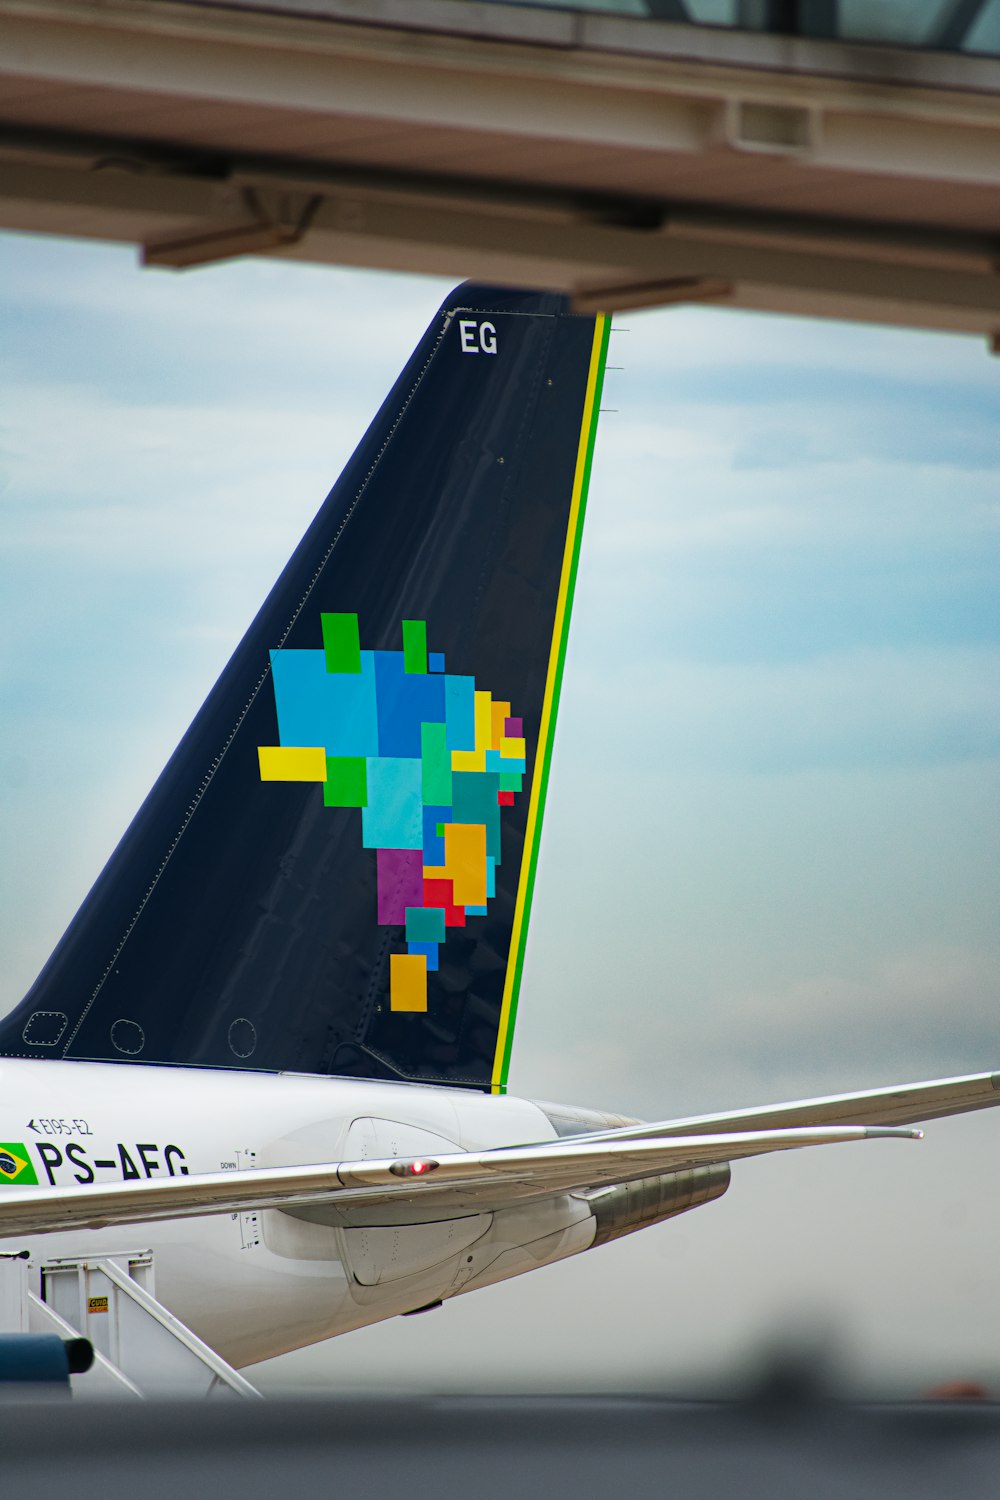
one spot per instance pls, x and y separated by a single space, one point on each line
255 1285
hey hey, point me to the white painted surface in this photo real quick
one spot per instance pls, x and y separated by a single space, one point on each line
250 1285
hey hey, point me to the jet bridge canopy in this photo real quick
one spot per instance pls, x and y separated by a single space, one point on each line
799 159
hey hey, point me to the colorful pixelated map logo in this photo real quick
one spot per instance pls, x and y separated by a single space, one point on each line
427 758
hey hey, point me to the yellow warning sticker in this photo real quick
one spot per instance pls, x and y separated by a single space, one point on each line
97 1304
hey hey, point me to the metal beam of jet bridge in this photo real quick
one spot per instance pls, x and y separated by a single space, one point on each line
628 161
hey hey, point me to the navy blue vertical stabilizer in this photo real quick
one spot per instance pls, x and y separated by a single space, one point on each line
333 872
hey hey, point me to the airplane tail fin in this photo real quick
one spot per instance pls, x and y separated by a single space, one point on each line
333 874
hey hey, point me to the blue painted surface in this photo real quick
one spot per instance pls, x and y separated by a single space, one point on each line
460 712
393 818
428 951
33 1358
433 845
317 707
405 700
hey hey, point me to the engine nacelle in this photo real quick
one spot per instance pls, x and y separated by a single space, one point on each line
629 1206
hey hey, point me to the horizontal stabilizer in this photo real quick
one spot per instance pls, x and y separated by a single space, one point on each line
903 1104
453 1183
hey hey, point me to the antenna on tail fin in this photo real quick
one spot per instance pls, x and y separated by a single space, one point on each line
333 874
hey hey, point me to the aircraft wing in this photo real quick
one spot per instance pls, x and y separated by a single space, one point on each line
454 1183
903 1104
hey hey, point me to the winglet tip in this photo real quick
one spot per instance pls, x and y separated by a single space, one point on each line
892 1132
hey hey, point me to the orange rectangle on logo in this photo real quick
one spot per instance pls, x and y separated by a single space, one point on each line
465 862
407 981
500 713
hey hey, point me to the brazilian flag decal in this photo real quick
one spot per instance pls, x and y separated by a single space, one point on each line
15 1165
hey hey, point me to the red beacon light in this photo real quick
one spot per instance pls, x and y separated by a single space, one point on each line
416 1168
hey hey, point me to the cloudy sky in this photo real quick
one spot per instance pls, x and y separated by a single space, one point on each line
770 863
